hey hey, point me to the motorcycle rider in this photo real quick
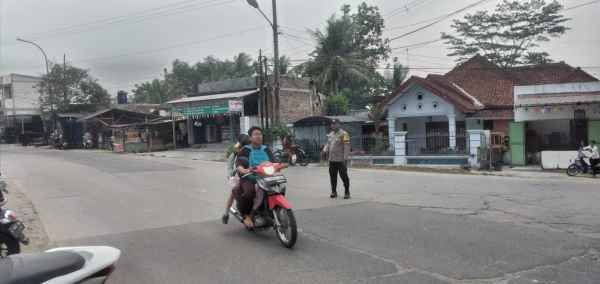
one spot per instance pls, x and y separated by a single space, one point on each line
243 140
594 157
247 197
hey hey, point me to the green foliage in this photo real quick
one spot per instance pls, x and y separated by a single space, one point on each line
399 75
154 92
509 35
183 79
337 105
66 85
348 52
280 131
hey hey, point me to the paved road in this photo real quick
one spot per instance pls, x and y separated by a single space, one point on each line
399 227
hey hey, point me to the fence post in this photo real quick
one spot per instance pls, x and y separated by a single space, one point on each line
399 147
476 140
391 130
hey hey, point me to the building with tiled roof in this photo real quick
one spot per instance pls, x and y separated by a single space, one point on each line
436 113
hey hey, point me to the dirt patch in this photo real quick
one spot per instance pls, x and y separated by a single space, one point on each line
18 202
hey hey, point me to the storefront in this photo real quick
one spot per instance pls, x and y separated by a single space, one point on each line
215 118
553 121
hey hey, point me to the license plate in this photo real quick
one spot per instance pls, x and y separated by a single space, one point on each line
16 230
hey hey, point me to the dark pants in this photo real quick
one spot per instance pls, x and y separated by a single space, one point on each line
247 197
594 163
334 169
244 195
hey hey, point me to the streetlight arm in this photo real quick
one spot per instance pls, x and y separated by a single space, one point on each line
266 18
40 48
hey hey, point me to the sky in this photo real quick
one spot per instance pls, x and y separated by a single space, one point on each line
124 42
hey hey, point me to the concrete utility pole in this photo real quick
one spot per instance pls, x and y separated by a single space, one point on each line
276 61
276 70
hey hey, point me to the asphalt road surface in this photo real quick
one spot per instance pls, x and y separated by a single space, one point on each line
400 227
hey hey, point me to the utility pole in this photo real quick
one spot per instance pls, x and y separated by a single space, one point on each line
268 97
261 97
65 77
276 61
254 3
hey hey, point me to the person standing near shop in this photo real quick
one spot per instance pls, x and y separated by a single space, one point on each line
337 150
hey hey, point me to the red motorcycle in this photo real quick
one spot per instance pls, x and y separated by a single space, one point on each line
275 211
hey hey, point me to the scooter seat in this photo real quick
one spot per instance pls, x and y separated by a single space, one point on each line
38 267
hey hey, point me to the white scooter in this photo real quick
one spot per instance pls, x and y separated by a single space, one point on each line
66 265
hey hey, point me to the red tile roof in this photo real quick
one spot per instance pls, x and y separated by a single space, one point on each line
553 73
492 85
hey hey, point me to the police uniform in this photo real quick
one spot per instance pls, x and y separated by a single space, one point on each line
338 150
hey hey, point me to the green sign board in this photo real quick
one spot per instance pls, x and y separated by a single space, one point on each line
205 110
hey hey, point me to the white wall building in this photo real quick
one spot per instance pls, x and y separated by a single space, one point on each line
20 101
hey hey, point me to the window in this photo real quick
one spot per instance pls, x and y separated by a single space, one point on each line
435 105
488 125
7 91
420 96
405 127
404 107
420 106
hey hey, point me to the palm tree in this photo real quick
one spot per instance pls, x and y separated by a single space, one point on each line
335 58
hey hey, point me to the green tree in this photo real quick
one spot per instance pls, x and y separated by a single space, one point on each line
510 35
70 85
154 92
347 54
337 105
399 74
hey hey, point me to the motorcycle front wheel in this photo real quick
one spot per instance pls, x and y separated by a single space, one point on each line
286 230
573 170
8 246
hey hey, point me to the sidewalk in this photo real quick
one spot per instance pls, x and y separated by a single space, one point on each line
202 154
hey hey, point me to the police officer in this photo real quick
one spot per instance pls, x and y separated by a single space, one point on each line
338 151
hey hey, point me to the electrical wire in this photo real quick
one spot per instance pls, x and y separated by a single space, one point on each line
127 19
581 5
441 19
418 44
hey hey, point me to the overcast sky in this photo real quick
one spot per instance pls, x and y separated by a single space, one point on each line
123 42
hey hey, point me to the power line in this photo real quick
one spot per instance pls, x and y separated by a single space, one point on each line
148 51
288 36
405 7
419 44
441 19
132 18
581 5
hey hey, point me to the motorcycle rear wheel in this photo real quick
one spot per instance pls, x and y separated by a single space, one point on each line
8 246
286 231
573 170
302 159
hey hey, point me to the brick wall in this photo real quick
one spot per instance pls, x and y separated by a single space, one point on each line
295 99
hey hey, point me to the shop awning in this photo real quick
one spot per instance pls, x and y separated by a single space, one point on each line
210 105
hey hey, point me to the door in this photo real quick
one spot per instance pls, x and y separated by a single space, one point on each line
594 130
517 143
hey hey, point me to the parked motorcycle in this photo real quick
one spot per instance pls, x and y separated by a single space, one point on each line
581 163
88 144
275 211
11 229
294 155
60 266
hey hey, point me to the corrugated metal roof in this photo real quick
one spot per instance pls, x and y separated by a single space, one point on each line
223 96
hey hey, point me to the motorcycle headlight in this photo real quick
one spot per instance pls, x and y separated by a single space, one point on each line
269 170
